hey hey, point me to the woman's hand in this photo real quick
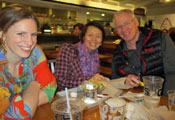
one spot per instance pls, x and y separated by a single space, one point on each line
98 77
132 80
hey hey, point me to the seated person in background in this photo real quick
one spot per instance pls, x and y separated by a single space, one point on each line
77 31
25 79
79 62
172 33
165 30
108 29
142 52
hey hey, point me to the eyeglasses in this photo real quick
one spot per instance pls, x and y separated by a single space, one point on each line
125 24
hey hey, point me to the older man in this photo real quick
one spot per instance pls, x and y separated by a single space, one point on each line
142 52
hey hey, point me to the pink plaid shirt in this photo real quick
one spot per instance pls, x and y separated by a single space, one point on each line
67 69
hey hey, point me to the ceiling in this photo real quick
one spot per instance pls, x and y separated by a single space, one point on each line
152 7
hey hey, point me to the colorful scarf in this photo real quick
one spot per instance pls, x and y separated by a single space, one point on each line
89 62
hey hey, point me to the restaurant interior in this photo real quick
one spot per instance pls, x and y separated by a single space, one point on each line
61 15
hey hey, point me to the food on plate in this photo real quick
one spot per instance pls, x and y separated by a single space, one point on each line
98 83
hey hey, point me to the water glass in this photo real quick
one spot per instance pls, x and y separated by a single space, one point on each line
112 109
89 93
152 90
171 100
61 112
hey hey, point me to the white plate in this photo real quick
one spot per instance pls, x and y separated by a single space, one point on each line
72 90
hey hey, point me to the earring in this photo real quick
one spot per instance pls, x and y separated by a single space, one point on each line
4 49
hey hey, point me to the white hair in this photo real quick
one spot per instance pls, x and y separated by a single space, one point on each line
127 11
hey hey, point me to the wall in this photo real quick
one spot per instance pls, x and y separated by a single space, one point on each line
162 21
81 17
77 12
141 20
50 41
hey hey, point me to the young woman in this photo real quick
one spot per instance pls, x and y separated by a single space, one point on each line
79 62
25 79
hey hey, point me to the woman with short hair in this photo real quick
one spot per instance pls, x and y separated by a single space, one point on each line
79 62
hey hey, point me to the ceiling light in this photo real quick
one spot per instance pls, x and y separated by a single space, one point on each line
166 0
103 14
87 13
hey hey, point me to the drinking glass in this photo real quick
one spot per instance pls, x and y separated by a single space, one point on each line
171 100
61 112
112 108
152 90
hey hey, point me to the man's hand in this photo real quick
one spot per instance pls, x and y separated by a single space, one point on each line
132 80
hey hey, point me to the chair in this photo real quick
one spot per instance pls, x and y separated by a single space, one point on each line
51 64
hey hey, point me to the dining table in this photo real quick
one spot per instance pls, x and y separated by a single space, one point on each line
44 112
